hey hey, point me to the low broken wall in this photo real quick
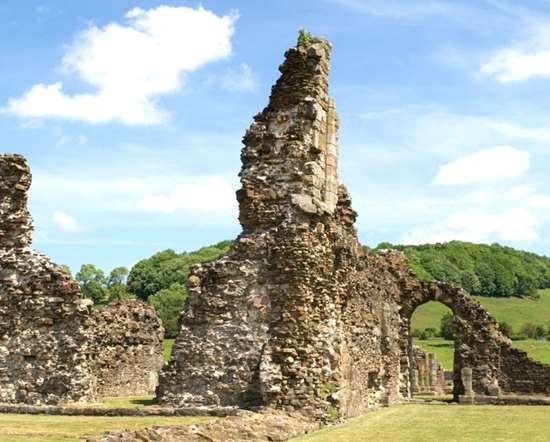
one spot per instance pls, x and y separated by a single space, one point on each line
127 351
54 347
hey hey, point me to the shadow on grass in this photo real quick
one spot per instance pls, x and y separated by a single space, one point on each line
143 402
428 398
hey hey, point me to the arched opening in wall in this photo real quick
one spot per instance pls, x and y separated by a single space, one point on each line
431 352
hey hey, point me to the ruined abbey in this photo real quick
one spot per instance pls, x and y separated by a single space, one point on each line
296 316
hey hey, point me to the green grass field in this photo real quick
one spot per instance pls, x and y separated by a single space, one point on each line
397 424
441 423
42 428
514 311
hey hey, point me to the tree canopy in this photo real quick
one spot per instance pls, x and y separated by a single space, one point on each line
481 269
165 268
159 280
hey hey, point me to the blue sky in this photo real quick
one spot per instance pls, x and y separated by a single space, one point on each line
131 115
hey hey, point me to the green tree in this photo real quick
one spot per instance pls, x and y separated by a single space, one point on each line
93 283
446 329
116 284
480 269
165 268
169 303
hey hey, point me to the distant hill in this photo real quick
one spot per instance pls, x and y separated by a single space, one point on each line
514 311
481 269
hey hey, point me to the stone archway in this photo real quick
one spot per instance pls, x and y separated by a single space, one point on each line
485 363
452 298
412 353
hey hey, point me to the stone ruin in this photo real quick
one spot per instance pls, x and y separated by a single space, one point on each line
53 346
297 315
427 374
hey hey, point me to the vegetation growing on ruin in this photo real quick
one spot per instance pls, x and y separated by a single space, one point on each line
484 270
304 37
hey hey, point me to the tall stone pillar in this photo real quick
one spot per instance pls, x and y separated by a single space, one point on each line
287 318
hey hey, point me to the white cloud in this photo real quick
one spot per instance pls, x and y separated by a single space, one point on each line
74 140
187 194
242 79
485 165
130 65
513 65
478 225
425 128
524 59
486 214
65 222
202 195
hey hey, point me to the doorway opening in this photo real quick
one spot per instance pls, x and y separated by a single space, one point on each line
431 352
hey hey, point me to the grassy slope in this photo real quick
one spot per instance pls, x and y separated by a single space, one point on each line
514 311
538 350
441 423
41 428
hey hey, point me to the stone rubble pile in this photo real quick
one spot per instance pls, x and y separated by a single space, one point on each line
266 426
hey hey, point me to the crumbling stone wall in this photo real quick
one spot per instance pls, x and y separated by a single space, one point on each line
42 314
53 346
296 315
428 376
126 354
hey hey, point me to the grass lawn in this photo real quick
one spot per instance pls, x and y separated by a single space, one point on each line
442 423
42 428
167 348
538 350
514 311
